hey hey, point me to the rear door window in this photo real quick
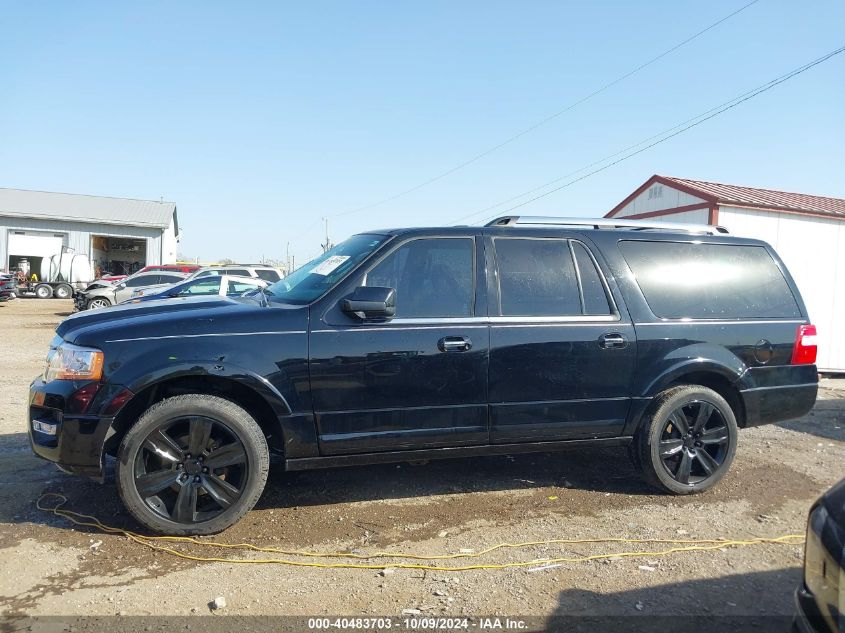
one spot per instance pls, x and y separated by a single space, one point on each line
239 287
549 278
537 278
709 281
207 286
143 280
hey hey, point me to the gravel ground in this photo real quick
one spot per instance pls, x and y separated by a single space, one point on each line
49 567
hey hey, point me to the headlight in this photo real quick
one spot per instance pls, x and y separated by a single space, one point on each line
71 362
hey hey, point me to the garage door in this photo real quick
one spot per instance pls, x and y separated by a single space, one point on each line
28 244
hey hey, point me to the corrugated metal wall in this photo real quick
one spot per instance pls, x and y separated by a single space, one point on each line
79 235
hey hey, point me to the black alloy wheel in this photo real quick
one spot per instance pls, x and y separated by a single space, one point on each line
687 441
192 464
191 469
694 442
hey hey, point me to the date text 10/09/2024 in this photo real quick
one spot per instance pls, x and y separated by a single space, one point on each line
416 623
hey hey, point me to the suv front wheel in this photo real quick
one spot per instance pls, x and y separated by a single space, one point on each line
687 441
192 464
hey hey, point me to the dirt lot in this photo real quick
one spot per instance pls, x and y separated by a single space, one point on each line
48 567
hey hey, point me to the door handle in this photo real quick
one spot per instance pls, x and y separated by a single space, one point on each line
454 344
612 340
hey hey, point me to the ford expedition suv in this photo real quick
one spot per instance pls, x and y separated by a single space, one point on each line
528 334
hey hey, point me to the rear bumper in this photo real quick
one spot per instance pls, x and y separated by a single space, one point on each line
774 394
76 441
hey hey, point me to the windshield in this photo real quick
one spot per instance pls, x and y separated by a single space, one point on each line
317 276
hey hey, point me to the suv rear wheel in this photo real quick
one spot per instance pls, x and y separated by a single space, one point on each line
192 464
687 441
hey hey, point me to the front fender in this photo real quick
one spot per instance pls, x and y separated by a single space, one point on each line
248 379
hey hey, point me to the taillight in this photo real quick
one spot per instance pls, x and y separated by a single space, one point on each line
804 352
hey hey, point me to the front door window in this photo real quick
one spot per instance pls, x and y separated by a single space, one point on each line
432 277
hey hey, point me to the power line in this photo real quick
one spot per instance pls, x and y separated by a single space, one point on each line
650 142
549 118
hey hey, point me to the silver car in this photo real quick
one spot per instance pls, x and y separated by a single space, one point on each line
122 290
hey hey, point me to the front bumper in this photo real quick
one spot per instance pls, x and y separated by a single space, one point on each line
807 618
76 440
80 301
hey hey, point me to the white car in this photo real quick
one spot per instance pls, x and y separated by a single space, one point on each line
267 273
222 285
122 290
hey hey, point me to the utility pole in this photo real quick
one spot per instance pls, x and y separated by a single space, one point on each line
287 259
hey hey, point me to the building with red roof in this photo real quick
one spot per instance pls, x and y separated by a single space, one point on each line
807 231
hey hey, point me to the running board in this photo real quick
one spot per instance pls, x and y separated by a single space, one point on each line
361 459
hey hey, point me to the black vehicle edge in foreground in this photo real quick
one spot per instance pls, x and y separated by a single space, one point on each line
820 600
427 343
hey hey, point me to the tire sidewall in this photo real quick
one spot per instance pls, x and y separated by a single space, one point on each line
227 413
650 453
63 292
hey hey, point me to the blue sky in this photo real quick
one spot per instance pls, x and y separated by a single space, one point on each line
260 118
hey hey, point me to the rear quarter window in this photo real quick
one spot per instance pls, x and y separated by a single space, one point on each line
709 281
267 274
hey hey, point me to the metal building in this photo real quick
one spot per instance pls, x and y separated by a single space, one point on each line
808 232
118 235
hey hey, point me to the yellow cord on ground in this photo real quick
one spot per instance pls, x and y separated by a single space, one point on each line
686 545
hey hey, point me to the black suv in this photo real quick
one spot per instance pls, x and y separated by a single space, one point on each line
528 334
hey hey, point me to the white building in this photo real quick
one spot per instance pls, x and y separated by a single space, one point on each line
808 232
117 234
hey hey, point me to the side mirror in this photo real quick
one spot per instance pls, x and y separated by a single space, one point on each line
121 286
370 302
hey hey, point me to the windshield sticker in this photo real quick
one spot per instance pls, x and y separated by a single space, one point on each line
329 265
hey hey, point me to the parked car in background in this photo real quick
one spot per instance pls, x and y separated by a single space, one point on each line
105 281
223 285
175 268
820 599
117 292
172 268
8 287
521 336
267 273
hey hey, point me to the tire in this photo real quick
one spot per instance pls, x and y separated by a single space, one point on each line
43 291
97 303
687 440
192 496
63 291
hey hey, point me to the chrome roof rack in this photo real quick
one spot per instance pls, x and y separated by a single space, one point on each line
607 223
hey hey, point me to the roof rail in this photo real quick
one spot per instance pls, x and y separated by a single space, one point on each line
607 223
